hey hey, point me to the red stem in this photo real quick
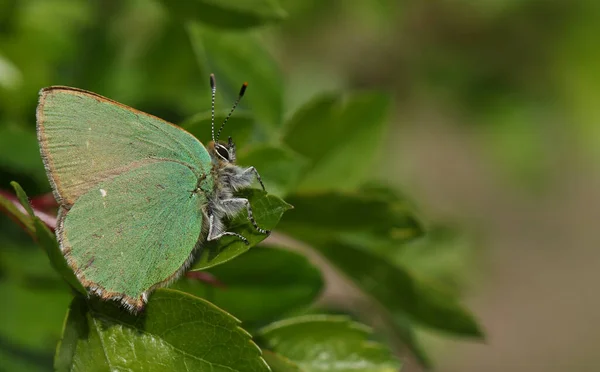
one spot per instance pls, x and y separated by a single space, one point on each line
205 277
48 218
44 202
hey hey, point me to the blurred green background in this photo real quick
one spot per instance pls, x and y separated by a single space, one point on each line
495 127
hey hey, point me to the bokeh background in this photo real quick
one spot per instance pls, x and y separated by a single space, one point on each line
495 130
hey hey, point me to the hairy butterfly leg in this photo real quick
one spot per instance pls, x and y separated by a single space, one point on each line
215 231
239 203
244 178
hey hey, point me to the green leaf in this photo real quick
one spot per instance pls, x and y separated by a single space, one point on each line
327 343
133 71
231 14
267 210
24 360
23 199
19 216
260 285
279 167
240 125
404 330
24 263
28 283
175 332
47 240
332 211
31 320
341 137
352 152
279 363
311 129
399 292
235 58
441 256
381 190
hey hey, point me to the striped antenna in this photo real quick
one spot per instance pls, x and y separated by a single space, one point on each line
237 101
213 87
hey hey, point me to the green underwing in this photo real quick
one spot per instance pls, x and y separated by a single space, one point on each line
137 194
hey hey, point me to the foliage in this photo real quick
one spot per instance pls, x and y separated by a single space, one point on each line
318 159
327 343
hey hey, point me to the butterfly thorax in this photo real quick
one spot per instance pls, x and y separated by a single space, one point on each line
228 178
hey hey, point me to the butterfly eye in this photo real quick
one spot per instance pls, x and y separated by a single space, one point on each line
222 151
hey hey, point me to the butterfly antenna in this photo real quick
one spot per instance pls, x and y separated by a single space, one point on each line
242 91
213 87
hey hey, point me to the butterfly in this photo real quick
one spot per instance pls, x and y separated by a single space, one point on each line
137 194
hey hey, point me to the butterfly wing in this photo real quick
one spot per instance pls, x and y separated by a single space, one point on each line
134 232
129 219
86 138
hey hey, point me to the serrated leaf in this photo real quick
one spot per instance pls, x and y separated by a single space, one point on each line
239 126
235 58
327 343
279 167
267 211
175 332
399 292
327 212
230 14
260 285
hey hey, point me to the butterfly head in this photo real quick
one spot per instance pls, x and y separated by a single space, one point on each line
219 151
222 152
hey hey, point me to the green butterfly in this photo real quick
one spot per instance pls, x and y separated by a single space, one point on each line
137 195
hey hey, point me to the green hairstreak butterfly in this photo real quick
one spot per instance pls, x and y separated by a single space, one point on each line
137 195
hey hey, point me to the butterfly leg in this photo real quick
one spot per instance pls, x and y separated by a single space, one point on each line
235 204
215 231
244 178
253 170
200 180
